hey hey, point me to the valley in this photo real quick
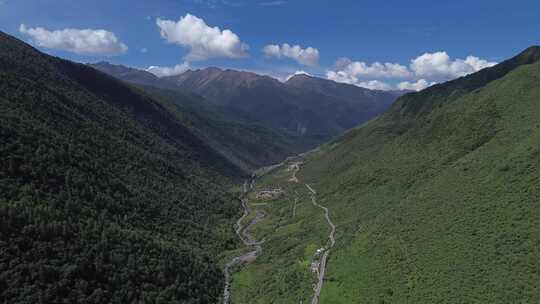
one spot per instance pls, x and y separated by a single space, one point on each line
269 172
258 205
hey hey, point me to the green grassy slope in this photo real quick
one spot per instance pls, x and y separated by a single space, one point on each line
436 201
105 196
444 210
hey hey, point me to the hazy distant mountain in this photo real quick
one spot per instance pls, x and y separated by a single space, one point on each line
240 139
303 105
132 75
306 106
370 102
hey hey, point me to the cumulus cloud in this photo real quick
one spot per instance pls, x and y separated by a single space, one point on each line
423 71
439 65
168 71
204 41
79 41
353 72
374 85
374 70
344 77
341 76
478 64
419 85
308 56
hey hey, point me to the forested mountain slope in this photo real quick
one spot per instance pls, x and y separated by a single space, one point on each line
310 107
105 196
248 145
243 141
436 201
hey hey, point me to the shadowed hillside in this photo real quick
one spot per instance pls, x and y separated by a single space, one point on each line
242 140
304 108
105 195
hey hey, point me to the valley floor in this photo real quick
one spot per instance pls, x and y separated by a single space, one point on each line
298 234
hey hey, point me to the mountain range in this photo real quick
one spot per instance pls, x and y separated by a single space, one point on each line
303 105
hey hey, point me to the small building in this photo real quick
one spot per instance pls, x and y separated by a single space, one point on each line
315 266
269 193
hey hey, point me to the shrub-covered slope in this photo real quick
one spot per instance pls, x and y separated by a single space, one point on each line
104 195
437 200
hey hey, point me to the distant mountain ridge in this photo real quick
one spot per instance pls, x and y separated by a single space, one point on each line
241 140
303 105
299 108
132 75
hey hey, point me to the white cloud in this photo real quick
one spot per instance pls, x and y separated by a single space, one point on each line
204 41
419 85
300 72
423 71
80 41
374 70
439 65
308 56
353 72
374 85
478 64
168 71
341 76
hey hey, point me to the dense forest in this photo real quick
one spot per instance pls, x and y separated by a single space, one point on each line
245 143
104 195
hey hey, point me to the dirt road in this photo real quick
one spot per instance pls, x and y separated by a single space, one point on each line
295 167
331 243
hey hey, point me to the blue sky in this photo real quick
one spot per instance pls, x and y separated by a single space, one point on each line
396 34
